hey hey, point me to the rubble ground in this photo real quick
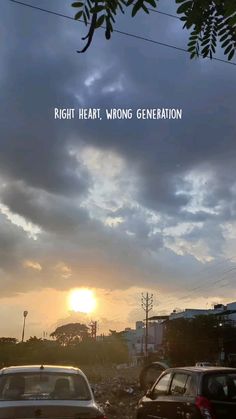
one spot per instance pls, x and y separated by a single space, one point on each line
116 389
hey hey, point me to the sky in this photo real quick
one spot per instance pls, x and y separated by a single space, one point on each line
120 207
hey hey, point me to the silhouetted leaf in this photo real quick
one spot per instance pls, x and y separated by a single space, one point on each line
135 9
100 21
97 9
78 15
77 4
231 54
228 49
184 7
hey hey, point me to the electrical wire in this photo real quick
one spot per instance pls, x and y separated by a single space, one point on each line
205 286
142 38
163 13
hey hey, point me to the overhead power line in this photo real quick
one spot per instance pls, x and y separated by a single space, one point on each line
163 13
209 284
52 12
221 276
142 38
202 286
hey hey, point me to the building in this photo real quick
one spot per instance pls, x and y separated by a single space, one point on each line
225 313
188 313
135 338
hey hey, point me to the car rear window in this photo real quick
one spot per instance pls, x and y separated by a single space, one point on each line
43 385
220 386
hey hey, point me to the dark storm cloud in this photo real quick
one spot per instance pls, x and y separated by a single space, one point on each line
162 151
33 148
10 241
46 184
52 213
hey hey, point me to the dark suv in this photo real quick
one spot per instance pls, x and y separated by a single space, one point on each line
191 393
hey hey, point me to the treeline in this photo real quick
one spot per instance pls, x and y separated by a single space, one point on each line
203 338
77 351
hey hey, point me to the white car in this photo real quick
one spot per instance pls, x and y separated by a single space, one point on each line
46 391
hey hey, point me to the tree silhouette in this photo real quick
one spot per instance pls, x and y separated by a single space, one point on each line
210 21
34 340
192 340
7 341
70 334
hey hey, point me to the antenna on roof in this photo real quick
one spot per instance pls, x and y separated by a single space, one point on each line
42 367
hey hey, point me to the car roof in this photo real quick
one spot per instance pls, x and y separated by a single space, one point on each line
202 369
40 368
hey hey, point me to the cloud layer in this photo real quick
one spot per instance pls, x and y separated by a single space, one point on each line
112 204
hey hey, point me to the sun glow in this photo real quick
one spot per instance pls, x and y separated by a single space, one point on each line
82 300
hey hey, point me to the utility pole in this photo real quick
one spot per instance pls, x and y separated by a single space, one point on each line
93 326
147 305
23 330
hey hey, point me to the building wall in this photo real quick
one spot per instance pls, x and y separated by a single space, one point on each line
135 338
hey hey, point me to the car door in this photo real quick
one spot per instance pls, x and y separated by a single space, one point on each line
154 403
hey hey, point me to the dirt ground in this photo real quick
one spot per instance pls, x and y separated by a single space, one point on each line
116 389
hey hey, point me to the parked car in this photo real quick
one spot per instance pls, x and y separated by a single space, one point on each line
47 392
191 393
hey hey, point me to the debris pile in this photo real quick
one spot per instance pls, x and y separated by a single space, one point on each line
118 396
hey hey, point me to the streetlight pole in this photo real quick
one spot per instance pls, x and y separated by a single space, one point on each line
23 330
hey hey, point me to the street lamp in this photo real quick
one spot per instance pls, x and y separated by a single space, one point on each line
23 331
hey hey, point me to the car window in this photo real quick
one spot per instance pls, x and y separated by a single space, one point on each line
162 386
191 386
178 385
220 386
43 385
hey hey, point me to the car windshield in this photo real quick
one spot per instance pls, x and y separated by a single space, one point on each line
220 386
43 385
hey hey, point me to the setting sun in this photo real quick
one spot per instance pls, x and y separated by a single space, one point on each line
82 300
